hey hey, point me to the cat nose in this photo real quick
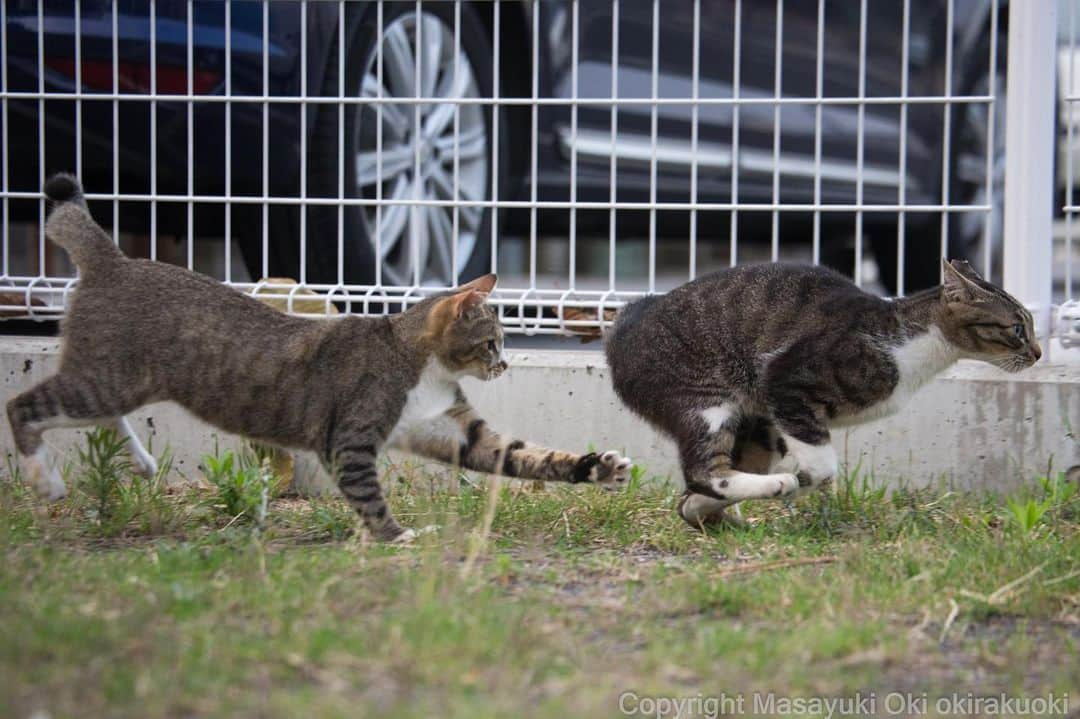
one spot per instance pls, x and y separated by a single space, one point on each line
503 365
1036 350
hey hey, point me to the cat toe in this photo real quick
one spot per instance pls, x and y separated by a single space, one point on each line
614 470
787 485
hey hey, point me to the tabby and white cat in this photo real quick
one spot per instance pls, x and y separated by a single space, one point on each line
749 368
139 332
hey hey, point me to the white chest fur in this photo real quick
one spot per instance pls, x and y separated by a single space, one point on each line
432 395
917 360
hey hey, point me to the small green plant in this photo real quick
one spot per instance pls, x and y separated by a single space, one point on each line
1057 501
154 511
1025 515
121 501
332 518
102 467
1058 489
242 485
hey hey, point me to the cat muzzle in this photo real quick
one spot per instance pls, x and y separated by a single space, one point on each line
497 369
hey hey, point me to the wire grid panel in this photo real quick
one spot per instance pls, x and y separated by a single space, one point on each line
1066 247
589 151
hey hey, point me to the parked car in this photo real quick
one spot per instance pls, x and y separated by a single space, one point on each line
315 130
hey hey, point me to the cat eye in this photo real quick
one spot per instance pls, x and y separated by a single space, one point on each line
491 346
1018 330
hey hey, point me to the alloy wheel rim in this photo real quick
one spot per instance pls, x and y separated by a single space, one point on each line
419 146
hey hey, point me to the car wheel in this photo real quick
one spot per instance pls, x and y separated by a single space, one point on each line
403 236
414 243
974 234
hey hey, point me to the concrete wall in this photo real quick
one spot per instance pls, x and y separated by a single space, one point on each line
973 426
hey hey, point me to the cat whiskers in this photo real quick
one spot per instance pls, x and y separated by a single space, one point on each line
1011 363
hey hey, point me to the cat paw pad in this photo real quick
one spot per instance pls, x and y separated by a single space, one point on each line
612 470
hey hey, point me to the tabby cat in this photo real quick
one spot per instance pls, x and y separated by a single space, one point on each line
748 369
139 332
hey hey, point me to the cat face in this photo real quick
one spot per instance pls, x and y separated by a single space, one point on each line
467 333
986 322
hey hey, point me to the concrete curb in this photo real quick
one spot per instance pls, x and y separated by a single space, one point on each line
974 426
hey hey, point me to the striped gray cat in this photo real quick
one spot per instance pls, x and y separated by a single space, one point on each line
139 332
748 369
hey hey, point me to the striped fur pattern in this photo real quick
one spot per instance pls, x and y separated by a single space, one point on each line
749 369
462 438
138 332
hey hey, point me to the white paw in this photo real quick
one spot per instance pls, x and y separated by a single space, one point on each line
812 464
806 486
144 465
46 481
411 535
700 511
613 470
787 485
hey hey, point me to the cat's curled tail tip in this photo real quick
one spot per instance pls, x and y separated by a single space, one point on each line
63 187
71 226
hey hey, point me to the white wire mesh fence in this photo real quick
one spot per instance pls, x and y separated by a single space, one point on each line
589 151
1066 268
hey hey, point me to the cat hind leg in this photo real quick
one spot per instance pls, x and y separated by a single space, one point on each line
68 400
716 452
59 401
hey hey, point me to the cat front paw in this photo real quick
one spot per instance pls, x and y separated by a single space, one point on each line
409 536
609 470
787 485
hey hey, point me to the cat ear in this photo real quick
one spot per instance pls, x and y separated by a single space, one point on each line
451 308
959 284
483 283
462 302
966 269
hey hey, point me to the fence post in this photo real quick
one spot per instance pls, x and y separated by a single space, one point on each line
1030 107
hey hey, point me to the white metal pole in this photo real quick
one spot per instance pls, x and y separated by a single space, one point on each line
1029 147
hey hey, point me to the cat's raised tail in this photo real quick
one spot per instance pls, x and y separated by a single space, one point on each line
71 226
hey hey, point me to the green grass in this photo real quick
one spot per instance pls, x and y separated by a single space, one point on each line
127 599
